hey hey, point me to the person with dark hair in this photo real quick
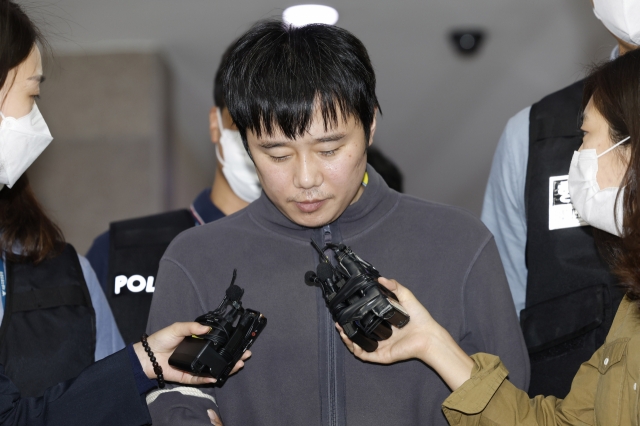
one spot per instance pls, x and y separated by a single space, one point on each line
548 252
48 328
48 292
126 257
604 188
305 104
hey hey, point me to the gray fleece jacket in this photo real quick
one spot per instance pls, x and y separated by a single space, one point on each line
301 373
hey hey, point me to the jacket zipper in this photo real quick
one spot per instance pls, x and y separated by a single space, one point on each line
331 376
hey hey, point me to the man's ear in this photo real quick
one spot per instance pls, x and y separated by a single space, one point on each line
373 128
214 126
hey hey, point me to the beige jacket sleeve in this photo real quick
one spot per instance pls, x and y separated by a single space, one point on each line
488 398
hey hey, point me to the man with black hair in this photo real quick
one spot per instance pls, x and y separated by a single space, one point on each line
126 257
305 104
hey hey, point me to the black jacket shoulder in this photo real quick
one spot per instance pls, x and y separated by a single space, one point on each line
548 116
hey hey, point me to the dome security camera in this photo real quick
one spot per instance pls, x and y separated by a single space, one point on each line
467 42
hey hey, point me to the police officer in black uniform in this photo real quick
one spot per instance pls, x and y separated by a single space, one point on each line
549 254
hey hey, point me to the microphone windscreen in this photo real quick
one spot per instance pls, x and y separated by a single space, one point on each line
310 278
234 293
325 271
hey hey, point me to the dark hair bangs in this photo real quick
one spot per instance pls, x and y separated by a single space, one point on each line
277 76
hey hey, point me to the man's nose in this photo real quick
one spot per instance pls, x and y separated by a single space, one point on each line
307 174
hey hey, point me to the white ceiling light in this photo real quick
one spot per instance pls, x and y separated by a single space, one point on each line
305 14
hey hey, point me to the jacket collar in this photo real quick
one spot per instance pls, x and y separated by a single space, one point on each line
203 209
375 203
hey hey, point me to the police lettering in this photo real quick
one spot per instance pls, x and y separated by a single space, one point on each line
135 284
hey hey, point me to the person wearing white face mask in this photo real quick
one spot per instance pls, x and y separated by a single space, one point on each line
127 271
22 141
49 314
593 202
547 250
605 389
66 315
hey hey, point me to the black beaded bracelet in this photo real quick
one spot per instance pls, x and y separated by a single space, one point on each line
156 367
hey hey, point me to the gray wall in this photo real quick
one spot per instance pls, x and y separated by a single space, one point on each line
108 115
443 114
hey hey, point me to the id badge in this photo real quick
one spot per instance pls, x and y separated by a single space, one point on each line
561 212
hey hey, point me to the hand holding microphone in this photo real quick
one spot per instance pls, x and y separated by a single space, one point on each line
164 342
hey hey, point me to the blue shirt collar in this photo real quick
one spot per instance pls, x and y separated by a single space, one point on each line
203 210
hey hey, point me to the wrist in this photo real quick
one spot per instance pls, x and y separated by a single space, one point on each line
435 345
143 383
445 356
155 366
145 362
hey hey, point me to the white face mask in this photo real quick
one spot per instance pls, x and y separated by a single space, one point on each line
237 166
597 207
621 17
22 140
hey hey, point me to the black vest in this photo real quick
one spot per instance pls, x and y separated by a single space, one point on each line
136 247
48 331
571 296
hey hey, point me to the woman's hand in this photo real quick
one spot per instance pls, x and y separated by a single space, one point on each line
410 341
164 342
422 338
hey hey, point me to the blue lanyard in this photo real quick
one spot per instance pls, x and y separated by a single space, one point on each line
3 283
